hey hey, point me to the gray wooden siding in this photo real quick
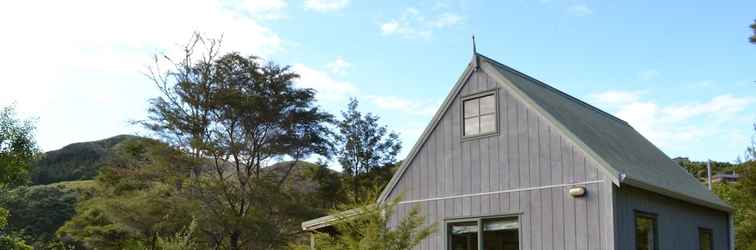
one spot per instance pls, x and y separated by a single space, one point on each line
677 221
527 152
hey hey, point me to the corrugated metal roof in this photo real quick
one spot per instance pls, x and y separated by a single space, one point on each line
625 152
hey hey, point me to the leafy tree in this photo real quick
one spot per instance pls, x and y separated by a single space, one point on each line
365 149
330 190
753 26
370 230
10 241
182 240
38 211
17 148
740 196
237 113
139 197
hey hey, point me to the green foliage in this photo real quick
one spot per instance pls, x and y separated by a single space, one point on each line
235 113
78 161
370 230
365 150
13 242
38 211
741 195
10 241
753 26
182 240
17 148
137 198
698 168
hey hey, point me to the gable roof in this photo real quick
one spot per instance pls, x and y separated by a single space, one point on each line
622 153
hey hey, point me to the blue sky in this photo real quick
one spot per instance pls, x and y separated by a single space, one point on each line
681 73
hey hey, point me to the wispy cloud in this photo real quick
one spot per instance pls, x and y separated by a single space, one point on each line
329 89
412 23
262 9
339 66
674 126
326 5
400 104
580 10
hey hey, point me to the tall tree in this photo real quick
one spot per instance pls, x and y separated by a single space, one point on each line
17 148
235 114
364 148
753 26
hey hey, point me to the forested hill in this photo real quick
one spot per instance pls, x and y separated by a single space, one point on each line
77 161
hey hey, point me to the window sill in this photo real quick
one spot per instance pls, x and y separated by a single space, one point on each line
479 136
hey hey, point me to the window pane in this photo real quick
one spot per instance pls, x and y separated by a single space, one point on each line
487 104
488 123
463 236
705 239
645 233
471 108
472 126
501 234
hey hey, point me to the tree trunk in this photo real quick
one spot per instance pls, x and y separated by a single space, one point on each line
234 240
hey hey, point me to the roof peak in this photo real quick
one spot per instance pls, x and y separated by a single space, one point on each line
555 90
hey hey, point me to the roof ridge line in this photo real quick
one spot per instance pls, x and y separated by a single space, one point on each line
557 91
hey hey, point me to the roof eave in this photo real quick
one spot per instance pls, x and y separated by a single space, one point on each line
329 220
659 190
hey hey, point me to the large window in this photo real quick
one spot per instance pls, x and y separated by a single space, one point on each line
480 115
497 234
705 239
646 235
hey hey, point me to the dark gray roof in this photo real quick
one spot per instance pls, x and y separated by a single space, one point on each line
621 152
624 152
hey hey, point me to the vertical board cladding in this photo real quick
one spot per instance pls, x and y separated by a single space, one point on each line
527 152
677 221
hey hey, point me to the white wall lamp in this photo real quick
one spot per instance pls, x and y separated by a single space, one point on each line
577 192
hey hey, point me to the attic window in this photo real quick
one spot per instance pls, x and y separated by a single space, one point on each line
480 114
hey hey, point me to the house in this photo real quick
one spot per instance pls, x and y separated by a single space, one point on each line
725 177
509 162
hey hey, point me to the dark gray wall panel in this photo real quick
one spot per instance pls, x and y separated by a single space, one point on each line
678 221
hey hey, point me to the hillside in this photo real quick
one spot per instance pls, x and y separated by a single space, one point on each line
77 161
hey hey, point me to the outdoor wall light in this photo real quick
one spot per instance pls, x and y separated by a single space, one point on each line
577 191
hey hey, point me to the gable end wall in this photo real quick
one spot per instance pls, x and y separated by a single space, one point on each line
528 154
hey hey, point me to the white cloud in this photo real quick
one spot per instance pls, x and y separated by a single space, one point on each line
414 24
328 88
420 107
617 97
263 9
72 60
446 20
674 126
326 5
339 66
580 10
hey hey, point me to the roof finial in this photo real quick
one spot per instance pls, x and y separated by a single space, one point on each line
475 54
475 50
